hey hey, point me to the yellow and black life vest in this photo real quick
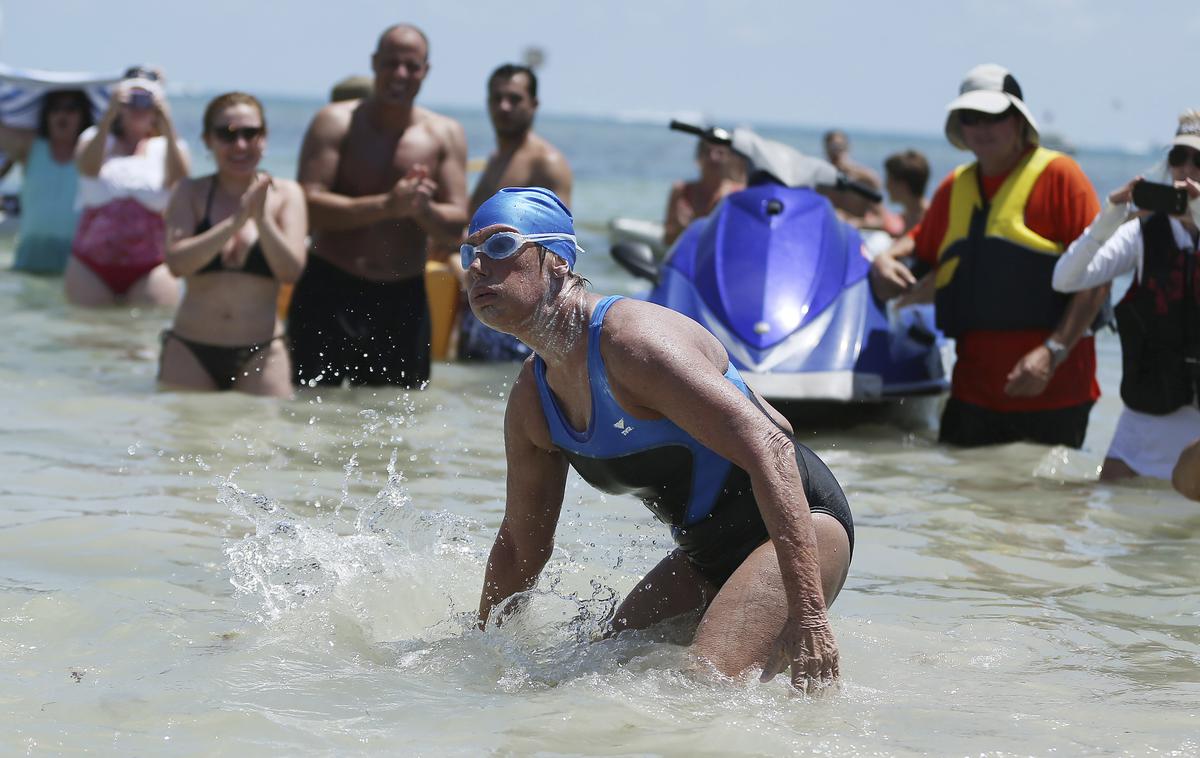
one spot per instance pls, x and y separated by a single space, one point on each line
1159 322
994 272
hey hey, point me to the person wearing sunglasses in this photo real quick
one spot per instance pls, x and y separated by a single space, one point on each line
384 178
641 400
128 163
1158 318
49 179
995 227
235 237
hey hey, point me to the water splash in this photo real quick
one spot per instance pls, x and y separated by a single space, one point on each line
383 580
290 560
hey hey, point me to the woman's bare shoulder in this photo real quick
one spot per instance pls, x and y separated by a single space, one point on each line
642 331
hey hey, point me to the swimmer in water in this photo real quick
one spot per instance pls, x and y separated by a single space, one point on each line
642 400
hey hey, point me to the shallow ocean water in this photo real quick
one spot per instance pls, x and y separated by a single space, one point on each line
220 574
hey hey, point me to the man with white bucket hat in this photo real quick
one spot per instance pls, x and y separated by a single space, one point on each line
994 230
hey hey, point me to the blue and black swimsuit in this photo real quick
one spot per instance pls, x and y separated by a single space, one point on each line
707 501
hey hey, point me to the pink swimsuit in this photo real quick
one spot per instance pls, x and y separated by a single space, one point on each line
121 242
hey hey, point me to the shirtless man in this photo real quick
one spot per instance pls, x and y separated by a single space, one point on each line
383 177
522 159
852 207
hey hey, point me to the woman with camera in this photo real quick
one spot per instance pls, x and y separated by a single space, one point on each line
127 165
236 236
1159 317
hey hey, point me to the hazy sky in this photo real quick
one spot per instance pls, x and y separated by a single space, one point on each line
1103 72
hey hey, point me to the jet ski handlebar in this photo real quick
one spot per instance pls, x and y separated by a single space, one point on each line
714 134
766 156
870 193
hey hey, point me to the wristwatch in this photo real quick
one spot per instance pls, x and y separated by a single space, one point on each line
1058 352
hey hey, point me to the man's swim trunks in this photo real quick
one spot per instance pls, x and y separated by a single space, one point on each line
343 328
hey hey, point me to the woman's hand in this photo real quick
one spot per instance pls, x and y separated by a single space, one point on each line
809 650
254 201
1192 187
1124 195
120 96
1193 190
252 206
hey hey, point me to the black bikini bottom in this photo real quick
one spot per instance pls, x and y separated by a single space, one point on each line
223 363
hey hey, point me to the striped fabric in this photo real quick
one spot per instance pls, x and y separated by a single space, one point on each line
21 91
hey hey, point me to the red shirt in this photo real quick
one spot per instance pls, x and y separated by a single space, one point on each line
1061 205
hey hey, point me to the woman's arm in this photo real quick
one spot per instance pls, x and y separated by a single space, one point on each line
282 233
177 160
1107 249
188 252
89 154
537 477
664 363
15 143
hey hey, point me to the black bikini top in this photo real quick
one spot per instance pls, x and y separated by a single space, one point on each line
256 262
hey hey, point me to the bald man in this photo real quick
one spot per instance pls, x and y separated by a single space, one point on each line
383 178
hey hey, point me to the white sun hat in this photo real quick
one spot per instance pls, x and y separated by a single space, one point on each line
1188 133
988 88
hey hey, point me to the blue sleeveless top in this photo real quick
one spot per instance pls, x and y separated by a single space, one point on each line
680 480
48 215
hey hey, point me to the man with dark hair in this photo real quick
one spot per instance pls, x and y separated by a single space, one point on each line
383 178
509 70
852 207
522 159
907 174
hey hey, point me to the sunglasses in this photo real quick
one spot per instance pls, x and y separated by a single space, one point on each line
1179 156
229 134
973 118
503 245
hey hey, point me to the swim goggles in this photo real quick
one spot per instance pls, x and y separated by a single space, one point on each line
503 245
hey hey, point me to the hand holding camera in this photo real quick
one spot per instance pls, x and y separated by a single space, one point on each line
1171 199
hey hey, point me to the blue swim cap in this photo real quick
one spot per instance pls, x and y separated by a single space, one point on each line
530 210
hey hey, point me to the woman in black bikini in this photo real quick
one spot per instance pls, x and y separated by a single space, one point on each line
235 237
